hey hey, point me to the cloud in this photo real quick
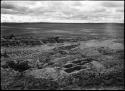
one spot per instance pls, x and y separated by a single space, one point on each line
113 4
5 5
13 8
62 11
120 10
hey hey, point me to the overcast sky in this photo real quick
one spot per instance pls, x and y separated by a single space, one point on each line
62 11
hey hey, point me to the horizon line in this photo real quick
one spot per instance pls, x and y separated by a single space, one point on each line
62 22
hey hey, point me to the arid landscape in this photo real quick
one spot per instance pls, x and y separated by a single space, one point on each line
62 45
62 62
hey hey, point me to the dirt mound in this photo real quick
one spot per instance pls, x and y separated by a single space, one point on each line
97 65
47 73
90 52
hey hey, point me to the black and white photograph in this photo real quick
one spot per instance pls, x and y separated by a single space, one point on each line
62 44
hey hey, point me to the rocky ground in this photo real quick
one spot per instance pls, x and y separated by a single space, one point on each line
80 65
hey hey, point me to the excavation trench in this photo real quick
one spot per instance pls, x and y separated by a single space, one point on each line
72 69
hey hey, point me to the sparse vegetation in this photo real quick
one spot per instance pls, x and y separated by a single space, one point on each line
69 65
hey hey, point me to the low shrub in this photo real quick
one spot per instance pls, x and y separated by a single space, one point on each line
30 83
110 77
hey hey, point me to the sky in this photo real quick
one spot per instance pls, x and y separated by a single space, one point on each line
63 11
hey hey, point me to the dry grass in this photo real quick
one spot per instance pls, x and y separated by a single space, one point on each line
40 57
